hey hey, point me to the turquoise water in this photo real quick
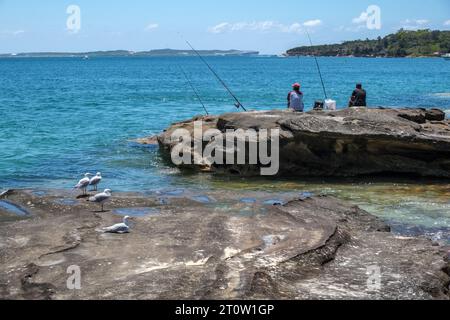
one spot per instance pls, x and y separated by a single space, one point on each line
61 118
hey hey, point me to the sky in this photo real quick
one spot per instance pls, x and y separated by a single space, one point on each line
270 27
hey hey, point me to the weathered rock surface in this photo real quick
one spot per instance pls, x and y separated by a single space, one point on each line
310 248
350 142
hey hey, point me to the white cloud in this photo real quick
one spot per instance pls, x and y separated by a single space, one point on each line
356 28
262 26
419 22
422 21
313 23
370 19
414 24
151 27
221 27
447 23
293 28
12 33
364 16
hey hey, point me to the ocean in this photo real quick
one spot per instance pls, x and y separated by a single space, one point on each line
63 117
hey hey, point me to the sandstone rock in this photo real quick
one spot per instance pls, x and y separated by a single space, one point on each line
315 248
349 142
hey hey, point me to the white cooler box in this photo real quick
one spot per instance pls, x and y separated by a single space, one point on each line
330 104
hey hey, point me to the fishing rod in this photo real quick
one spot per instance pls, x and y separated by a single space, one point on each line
318 66
238 103
193 89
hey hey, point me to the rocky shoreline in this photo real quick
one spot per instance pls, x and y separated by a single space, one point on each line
345 143
220 245
241 244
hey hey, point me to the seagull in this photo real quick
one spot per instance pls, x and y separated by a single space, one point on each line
95 181
101 198
121 228
84 183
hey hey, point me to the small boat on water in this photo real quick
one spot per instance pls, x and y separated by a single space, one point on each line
446 56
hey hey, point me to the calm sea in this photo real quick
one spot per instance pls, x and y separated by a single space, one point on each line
63 117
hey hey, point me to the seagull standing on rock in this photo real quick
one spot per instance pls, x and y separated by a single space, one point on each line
84 183
95 181
101 198
120 228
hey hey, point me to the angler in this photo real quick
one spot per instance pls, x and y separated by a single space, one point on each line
295 98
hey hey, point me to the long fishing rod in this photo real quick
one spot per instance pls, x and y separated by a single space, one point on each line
238 103
194 89
318 66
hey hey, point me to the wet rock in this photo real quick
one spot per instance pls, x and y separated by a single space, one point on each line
343 143
421 116
314 248
147 141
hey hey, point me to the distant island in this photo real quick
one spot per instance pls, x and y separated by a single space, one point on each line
404 43
125 53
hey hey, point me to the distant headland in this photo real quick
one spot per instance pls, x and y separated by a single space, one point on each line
126 53
404 43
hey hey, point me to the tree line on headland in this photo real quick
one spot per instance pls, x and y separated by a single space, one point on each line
404 43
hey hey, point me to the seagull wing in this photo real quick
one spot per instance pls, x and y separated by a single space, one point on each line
95 180
99 198
83 183
117 228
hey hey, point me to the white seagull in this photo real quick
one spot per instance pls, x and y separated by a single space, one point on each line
84 183
101 198
121 228
95 181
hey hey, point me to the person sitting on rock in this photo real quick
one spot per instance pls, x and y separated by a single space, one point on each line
295 99
358 98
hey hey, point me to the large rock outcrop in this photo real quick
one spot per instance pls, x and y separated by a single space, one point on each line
213 246
350 142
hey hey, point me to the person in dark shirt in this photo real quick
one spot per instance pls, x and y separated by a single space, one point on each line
359 97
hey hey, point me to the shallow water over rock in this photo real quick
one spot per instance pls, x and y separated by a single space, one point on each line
13 209
274 202
424 204
136 212
203 199
39 193
171 193
248 200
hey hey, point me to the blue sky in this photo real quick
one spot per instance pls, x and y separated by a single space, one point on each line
267 26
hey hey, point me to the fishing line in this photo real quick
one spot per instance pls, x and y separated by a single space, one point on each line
193 88
238 103
318 66
196 92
